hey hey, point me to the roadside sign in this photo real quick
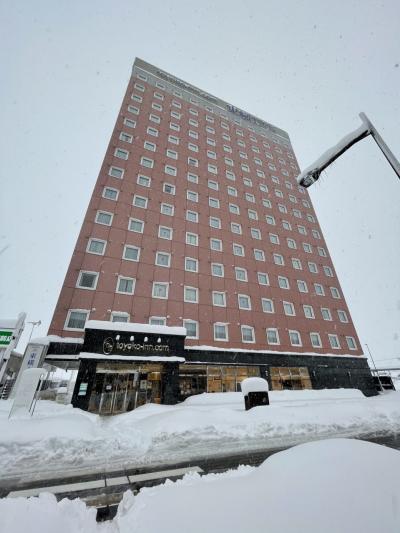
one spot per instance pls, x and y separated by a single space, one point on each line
5 337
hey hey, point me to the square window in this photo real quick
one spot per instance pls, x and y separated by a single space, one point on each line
216 245
131 253
319 289
267 305
168 188
219 299
160 290
308 311
307 248
192 196
236 228
119 316
233 208
326 314
351 343
143 180
125 137
193 178
191 264
163 259
312 267
87 280
220 332
116 172
238 249
171 171
215 222
274 239
342 316
259 255
283 282
165 232
296 263
103 217
288 309
136 225
270 220
335 293
217 269
76 319
192 216
192 239
191 294
291 244
157 321
146 162
328 271
240 274
96 246
110 194
152 131
213 202
121 154
167 209
247 334
140 201
255 233
125 285
129 123
278 259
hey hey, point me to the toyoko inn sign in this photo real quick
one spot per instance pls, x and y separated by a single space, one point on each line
111 346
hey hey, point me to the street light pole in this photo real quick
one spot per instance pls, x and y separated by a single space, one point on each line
34 324
312 173
376 370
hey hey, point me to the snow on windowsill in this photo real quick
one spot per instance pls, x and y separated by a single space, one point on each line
56 338
270 352
135 327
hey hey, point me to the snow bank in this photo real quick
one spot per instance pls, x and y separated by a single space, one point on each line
333 485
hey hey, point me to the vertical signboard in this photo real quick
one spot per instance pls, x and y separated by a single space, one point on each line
26 390
33 358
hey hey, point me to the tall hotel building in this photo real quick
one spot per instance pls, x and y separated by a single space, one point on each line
200 261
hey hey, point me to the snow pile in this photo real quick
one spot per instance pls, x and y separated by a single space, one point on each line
60 437
254 385
333 485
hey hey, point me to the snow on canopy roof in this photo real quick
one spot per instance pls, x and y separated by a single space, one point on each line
152 358
8 323
270 352
55 338
135 327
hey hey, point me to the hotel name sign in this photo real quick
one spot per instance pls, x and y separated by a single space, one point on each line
111 346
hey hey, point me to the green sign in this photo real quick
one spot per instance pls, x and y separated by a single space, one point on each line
5 338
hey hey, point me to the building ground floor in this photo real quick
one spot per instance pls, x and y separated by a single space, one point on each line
120 370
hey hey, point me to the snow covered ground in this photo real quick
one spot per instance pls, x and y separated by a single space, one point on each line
60 438
335 485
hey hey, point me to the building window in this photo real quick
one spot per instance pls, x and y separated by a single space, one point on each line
76 319
328 271
296 263
270 220
219 299
283 282
312 267
315 340
291 243
167 209
233 208
110 194
342 315
163 259
125 285
307 248
267 305
119 316
87 280
131 253
236 228
220 332
121 154
192 329
212 185
116 172
140 201
334 341
217 269
213 202
238 249
247 334
240 274
295 339
274 239
351 343
326 314
103 217
133 109
192 196
136 225
259 255
244 302
146 162
308 311
169 188
96 246
191 264
215 222
152 131
319 289
157 321
129 123
286 225
192 216
216 245
321 251
160 290
171 171
125 137
252 214
255 233
278 259
335 293
190 294
272 336
193 162
165 233
192 239
143 180
172 153
288 308
193 178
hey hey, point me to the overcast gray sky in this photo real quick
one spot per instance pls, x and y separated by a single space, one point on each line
308 67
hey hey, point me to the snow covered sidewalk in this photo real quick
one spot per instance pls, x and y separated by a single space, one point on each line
334 486
60 438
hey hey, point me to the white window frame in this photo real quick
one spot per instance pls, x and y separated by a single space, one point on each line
161 283
126 246
119 279
70 311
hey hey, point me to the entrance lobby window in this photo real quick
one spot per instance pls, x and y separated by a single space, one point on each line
292 378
